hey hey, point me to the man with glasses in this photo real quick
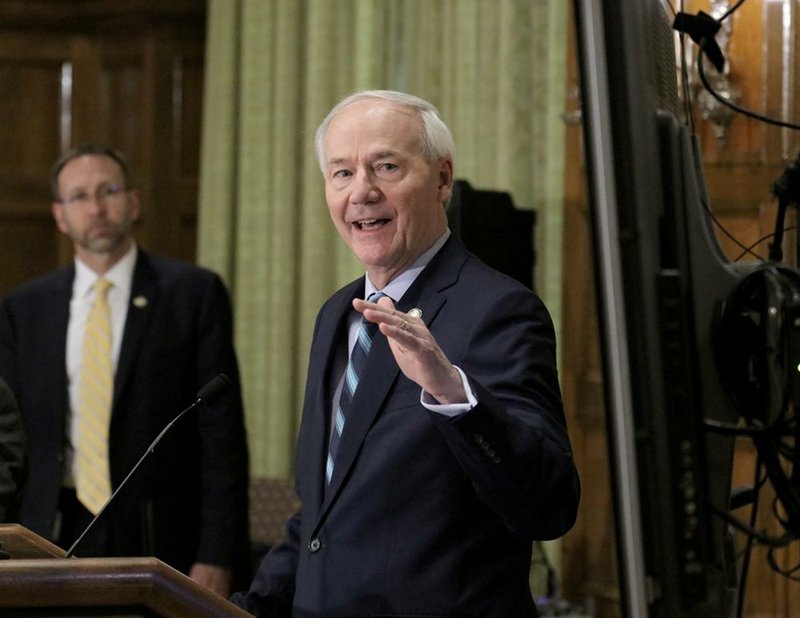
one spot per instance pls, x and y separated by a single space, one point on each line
101 355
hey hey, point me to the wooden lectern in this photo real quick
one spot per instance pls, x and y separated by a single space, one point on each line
38 581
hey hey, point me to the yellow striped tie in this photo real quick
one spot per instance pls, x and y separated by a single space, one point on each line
93 479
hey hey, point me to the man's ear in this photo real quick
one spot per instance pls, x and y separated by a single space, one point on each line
133 198
57 210
445 180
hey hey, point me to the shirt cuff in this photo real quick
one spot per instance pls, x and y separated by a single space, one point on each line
451 409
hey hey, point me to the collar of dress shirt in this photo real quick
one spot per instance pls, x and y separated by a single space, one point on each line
120 275
400 284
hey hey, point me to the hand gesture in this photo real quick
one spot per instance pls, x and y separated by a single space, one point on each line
417 354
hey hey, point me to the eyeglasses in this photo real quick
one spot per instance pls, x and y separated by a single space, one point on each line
104 193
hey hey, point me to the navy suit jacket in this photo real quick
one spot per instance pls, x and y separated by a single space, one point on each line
427 515
12 453
188 502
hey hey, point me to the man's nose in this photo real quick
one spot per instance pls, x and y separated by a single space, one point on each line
96 203
365 190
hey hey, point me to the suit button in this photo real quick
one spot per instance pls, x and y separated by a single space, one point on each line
314 545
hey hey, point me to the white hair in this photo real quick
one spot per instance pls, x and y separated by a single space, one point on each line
437 141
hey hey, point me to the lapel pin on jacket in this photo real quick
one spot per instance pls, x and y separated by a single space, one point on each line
140 302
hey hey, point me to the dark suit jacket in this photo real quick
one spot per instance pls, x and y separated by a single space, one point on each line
188 501
426 515
12 453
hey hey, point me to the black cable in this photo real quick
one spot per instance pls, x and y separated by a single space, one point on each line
748 550
786 450
749 249
792 573
734 106
787 189
776 503
762 537
730 429
702 30
688 103
730 11
787 185
776 247
722 229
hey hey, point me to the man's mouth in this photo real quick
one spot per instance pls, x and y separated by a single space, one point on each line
370 224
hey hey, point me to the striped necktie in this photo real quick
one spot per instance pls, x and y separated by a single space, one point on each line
355 366
93 479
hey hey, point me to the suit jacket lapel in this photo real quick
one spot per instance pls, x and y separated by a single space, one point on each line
142 304
54 366
426 293
373 386
332 336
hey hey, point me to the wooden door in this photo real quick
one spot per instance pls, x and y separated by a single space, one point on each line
125 73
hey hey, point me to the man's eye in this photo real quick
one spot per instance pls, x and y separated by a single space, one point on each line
78 198
387 167
110 191
342 174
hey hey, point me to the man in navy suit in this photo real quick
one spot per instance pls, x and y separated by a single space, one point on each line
12 452
454 455
171 326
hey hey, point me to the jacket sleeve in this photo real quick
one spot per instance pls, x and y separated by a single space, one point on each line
513 444
224 537
272 590
12 452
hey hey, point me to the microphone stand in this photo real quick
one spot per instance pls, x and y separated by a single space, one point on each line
209 393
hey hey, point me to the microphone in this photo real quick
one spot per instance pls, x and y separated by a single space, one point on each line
207 395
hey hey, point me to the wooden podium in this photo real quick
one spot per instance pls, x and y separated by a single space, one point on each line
36 580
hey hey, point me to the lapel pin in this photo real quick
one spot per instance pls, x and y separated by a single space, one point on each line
415 313
140 302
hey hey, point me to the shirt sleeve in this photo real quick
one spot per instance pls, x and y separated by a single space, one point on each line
451 410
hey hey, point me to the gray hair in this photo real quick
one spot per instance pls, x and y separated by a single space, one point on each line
437 141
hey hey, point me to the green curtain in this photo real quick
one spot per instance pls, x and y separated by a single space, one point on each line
496 69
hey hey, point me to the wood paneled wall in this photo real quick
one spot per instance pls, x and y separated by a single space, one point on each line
740 163
128 73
